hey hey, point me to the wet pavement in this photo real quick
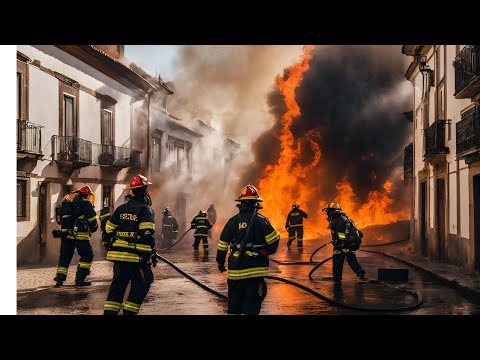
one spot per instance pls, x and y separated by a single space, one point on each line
172 294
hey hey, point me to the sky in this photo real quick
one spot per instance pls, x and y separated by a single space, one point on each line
155 59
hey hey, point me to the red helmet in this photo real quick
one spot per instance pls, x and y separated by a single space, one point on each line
249 192
86 190
138 181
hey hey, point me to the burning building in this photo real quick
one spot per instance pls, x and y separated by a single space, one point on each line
446 152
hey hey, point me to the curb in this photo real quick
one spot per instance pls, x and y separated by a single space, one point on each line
466 290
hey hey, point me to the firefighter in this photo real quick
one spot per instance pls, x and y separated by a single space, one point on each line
105 215
251 239
169 227
78 221
132 250
294 224
212 218
201 225
346 238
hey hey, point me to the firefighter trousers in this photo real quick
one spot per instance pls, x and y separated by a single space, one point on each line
246 296
338 260
203 238
67 248
298 230
140 276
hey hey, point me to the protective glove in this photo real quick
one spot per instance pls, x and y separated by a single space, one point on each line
222 268
154 258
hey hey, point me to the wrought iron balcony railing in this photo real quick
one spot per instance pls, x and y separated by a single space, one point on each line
115 156
29 137
71 150
468 132
467 72
435 139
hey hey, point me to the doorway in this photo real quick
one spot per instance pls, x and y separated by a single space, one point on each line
181 210
42 216
441 218
423 218
476 219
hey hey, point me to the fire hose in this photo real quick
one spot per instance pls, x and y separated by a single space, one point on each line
419 299
176 242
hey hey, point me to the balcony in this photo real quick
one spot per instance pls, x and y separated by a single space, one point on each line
110 155
435 149
468 134
73 151
467 72
29 140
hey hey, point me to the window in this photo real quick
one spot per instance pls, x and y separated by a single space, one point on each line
69 123
107 128
21 200
107 196
156 150
179 155
19 95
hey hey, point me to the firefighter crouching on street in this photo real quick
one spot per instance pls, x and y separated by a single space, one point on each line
251 239
78 221
346 238
132 250
201 225
169 227
294 224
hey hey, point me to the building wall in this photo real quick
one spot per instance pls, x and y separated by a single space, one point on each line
459 245
44 110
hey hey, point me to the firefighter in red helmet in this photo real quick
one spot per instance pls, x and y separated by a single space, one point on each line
132 250
251 239
78 220
346 239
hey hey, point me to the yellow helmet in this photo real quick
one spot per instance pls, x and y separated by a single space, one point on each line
333 205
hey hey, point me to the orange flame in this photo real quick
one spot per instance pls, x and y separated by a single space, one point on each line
285 182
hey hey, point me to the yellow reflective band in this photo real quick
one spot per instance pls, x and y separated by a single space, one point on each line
104 216
166 225
122 256
85 265
65 216
62 270
299 239
247 273
81 217
272 237
146 225
79 236
347 250
222 245
201 227
64 230
336 252
291 238
204 235
92 219
112 305
131 307
296 225
109 226
200 218
341 235
248 252
125 244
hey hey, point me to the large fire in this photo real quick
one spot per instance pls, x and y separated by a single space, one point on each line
286 182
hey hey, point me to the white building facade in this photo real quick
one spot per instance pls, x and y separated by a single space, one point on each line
75 125
446 152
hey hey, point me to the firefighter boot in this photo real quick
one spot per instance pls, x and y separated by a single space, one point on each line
59 282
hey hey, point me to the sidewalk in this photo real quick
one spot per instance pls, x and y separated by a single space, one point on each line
466 281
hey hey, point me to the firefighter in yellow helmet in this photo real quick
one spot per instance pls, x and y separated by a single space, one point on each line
346 238
78 221
132 250
251 239
294 224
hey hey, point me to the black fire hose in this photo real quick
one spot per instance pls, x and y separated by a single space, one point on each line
176 242
191 278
